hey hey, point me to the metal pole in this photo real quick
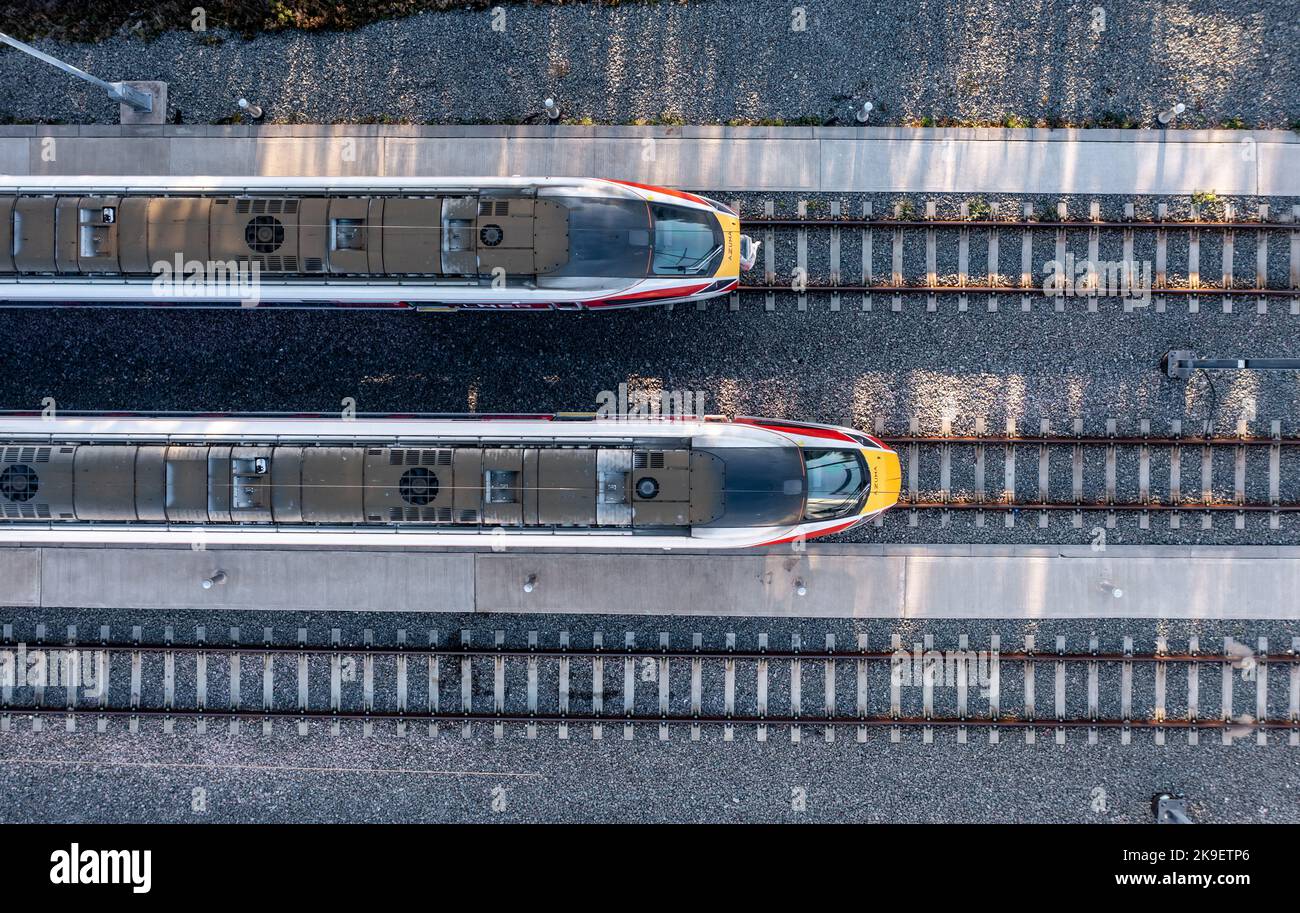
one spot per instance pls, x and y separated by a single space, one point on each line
119 92
1180 364
1170 809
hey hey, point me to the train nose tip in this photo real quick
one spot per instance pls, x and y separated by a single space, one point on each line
748 252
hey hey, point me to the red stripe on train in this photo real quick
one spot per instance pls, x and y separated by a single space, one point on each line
796 429
821 532
672 193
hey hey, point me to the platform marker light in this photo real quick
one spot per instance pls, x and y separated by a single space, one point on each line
531 583
800 589
252 110
215 580
864 113
1166 117
1110 589
552 110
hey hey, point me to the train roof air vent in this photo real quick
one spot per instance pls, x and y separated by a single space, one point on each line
648 459
491 235
26 454
264 234
418 486
18 483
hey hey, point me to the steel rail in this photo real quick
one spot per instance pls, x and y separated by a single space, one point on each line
1118 506
761 222
1087 440
1014 289
455 651
810 719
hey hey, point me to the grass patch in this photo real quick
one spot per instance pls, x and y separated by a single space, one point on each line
100 19
977 208
1113 120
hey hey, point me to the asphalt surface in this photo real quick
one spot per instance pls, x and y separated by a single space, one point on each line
716 62
54 775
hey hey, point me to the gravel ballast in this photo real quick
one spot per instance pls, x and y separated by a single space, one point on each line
54 775
716 62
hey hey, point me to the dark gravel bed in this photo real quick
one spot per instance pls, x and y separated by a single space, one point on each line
54 775
716 62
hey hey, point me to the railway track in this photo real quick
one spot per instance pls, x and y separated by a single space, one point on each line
885 244
475 681
1175 474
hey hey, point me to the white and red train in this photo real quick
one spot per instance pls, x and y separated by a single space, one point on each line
528 244
566 481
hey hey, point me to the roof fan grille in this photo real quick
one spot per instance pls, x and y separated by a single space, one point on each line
264 234
418 486
19 482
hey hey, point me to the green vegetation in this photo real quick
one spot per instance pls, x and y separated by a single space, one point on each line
808 120
977 208
7 119
1204 197
1234 123
102 18
1112 120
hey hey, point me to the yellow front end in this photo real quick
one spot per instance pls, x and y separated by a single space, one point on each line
730 266
886 480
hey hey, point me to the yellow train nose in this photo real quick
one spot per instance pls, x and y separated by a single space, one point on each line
886 480
730 266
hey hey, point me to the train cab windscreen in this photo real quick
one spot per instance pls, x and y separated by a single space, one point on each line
687 242
837 483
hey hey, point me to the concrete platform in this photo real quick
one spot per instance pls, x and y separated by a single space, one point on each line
842 581
870 159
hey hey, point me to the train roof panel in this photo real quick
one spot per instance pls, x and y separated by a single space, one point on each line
608 236
763 485
652 484
440 237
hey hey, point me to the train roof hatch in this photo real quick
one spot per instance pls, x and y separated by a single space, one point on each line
521 235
